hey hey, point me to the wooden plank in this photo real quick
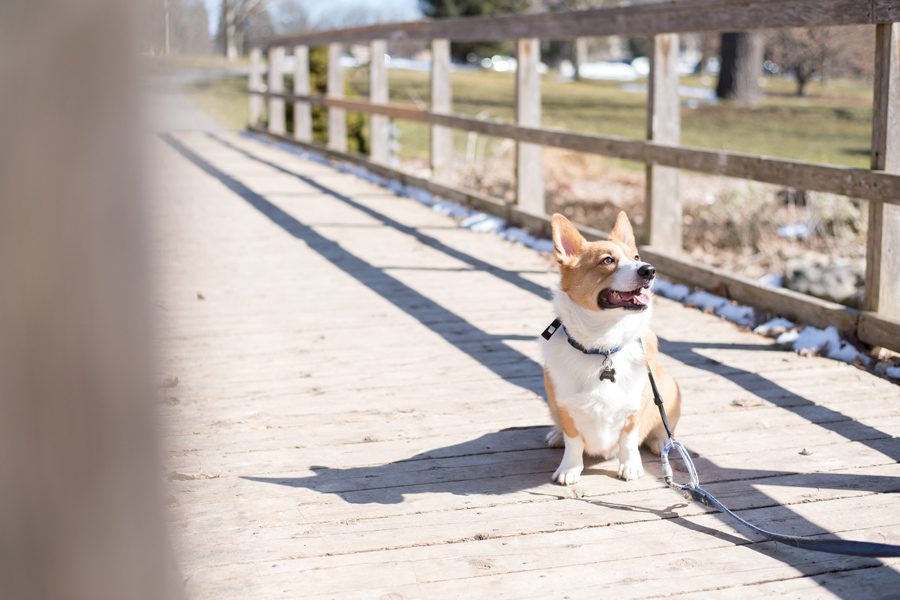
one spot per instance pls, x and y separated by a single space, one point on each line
858 183
883 243
255 83
441 103
867 582
536 564
337 117
276 85
878 330
663 201
885 11
302 111
379 126
508 520
529 157
645 19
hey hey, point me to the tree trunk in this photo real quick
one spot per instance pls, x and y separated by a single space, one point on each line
802 77
229 18
741 59
579 55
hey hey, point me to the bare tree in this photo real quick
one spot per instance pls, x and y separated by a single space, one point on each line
741 55
821 52
237 15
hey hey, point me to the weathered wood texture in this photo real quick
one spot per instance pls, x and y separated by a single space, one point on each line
441 102
883 246
664 17
337 117
663 125
857 183
302 112
276 86
255 81
358 413
380 126
529 157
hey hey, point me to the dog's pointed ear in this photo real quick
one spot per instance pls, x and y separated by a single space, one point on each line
567 240
623 232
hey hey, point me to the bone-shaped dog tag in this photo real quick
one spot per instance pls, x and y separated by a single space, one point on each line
608 373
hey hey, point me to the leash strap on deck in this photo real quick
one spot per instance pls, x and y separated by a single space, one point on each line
693 491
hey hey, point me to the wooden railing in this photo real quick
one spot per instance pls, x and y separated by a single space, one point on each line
878 324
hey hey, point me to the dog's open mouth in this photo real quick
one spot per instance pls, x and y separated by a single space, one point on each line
634 300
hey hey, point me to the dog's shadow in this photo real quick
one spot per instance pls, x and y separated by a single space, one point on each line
501 462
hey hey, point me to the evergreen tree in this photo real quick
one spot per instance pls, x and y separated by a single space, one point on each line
451 9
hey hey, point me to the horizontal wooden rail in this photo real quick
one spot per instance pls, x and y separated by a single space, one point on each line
806 309
644 19
856 183
660 150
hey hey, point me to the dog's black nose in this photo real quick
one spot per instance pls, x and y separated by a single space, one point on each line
647 271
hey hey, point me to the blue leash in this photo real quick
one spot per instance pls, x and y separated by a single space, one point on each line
693 491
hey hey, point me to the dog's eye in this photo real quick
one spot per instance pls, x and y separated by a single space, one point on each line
608 260
637 257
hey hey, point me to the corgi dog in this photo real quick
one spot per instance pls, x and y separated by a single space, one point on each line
595 366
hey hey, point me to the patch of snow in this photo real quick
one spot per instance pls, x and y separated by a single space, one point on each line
672 291
422 196
397 187
814 341
736 313
788 337
775 326
705 301
542 245
483 223
773 280
794 231
516 234
451 209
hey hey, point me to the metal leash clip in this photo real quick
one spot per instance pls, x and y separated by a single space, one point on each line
688 463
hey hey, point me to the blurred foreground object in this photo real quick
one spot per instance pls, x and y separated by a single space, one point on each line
80 510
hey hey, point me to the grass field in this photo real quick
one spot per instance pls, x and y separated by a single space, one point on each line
830 125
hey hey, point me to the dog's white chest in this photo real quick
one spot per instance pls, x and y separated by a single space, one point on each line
599 407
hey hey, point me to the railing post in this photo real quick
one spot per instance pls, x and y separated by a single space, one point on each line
529 161
302 116
276 84
882 293
441 102
337 117
379 125
663 204
255 85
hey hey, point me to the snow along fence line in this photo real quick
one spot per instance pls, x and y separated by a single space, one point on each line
806 340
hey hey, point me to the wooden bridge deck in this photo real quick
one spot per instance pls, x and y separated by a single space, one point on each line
358 413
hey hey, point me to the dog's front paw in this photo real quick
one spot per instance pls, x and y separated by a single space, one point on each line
568 474
632 469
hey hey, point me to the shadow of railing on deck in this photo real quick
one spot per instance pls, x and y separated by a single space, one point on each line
685 351
507 363
513 459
